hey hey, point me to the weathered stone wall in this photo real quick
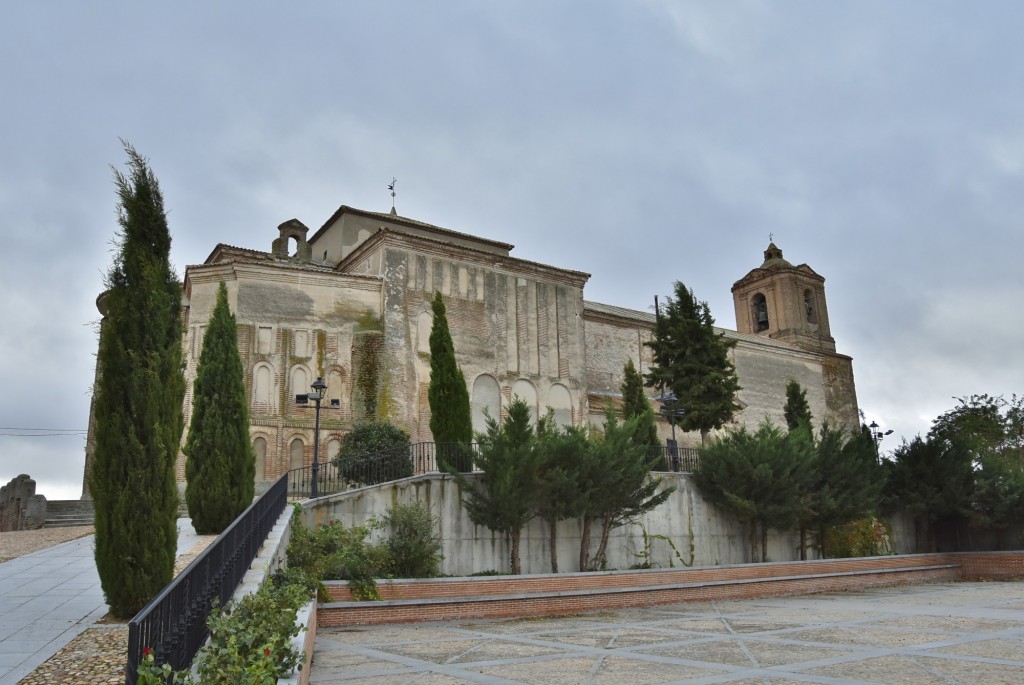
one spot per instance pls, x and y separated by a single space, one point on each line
20 507
685 530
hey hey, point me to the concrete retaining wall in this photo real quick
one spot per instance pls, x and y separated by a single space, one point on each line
685 530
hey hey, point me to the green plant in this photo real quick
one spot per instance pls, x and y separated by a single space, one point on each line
866 537
250 642
335 552
139 392
374 452
450 420
413 543
220 466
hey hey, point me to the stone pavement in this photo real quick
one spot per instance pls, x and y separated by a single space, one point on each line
947 633
50 596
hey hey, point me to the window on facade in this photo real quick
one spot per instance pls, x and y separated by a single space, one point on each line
760 307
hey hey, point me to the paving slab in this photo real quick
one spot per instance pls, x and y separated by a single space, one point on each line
942 633
48 597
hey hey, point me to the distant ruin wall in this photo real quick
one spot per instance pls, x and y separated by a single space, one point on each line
20 507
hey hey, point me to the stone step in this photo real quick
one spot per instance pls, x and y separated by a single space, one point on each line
67 520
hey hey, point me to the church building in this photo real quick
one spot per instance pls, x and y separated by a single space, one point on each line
351 304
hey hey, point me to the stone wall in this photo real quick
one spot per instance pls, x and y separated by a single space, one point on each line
20 507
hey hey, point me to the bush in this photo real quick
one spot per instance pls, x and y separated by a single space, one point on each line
250 642
334 552
414 546
374 453
866 537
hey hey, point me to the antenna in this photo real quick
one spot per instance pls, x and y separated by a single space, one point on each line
391 187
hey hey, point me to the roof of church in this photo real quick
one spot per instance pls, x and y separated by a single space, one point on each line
773 258
224 253
648 319
401 220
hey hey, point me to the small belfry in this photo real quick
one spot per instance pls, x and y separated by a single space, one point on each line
784 302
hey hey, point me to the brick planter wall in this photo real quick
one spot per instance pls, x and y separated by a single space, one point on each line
437 599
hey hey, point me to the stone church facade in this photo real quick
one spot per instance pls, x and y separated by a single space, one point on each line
351 304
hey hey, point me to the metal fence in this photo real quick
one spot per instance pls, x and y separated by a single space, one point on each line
431 457
173 624
379 467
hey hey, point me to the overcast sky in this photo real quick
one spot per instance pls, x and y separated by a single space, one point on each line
881 143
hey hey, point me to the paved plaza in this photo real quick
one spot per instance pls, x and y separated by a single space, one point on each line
49 597
948 633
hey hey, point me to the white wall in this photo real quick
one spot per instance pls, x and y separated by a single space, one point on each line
716 537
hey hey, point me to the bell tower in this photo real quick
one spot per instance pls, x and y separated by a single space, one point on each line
784 302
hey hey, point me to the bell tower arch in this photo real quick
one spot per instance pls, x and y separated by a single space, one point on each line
784 302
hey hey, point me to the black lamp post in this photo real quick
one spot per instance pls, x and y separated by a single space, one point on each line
317 396
876 432
669 409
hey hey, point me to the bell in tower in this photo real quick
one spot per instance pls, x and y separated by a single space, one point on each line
783 302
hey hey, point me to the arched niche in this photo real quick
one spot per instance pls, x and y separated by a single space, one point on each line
486 402
262 385
759 307
296 454
524 390
336 386
300 381
560 403
424 324
259 448
810 310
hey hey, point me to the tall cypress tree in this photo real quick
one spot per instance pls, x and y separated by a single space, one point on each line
138 401
636 404
221 465
796 411
450 419
692 360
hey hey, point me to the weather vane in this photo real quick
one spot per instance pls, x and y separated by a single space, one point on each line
391 187
771 236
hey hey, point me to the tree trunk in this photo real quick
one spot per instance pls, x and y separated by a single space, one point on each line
821 542
514 537
753 542
764 542
553 542
803 543
601 558
703 437
585 544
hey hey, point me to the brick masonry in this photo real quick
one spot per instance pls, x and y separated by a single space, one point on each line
553 594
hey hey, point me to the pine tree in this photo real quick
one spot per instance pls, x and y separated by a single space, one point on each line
616 482
450 419
692 360
636 404
561 455
138 401
220 466
797 411
503 497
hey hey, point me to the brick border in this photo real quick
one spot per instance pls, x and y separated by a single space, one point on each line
434 599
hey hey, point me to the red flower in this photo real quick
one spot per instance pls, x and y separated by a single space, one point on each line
266 651
146 651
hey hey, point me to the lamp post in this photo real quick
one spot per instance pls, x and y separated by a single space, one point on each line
671 411
317 396
876 432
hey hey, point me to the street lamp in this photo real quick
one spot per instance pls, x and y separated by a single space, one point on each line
317 396
876 432
670 410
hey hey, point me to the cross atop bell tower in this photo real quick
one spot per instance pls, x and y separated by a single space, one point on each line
783 302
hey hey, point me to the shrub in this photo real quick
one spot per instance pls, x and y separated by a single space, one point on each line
374 453
867 537
414 546
334 552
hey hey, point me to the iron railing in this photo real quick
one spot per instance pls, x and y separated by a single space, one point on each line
429 457
675 459
173 624
379 467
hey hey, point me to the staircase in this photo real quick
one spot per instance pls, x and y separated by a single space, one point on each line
68 512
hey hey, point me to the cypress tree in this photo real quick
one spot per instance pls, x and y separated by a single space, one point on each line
138 401
635 404
692 360
221 466
796 411
450 419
